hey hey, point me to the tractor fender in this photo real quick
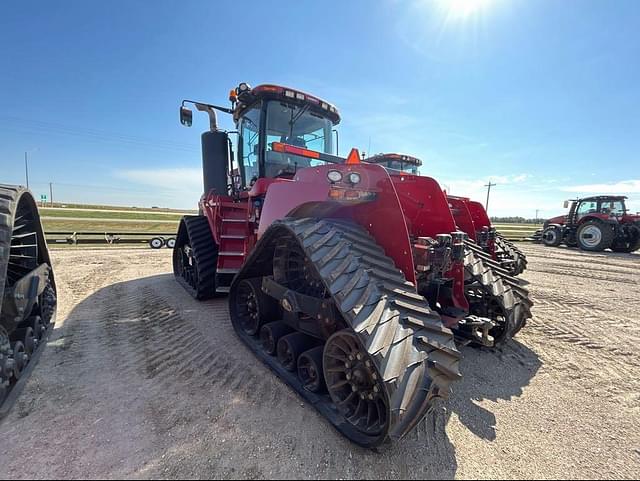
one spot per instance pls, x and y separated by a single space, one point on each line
462 216
612 222
479 214
559 226
382 216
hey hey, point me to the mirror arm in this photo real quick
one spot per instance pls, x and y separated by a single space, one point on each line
210 109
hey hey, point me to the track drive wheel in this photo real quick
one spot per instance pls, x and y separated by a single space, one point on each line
354 384
195 257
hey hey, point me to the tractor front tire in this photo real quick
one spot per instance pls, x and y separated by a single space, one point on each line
552 236
595 236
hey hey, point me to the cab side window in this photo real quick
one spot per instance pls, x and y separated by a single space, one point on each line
588 208
249 142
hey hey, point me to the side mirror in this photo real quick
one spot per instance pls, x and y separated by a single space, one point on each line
186 117
566 204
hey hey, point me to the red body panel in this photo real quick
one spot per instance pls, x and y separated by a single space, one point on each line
380 216
479 215
238 224
427 214
464 220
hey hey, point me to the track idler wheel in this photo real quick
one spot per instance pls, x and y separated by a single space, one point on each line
354 384
20 360
39 328
271 333
27 337
253 307
290 348
310 370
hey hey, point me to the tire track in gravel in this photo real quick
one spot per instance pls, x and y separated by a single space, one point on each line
577 329
534 251
144 382
585 273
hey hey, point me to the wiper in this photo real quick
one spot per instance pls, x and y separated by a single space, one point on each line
295 118
252 123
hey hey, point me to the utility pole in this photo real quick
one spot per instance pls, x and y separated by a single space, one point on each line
488 186
26 168
51 193
537 217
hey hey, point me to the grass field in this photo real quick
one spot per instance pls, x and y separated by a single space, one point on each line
112 207
517 231
91 218
98 226
96 214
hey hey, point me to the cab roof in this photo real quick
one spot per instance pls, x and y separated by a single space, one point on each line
380 158
246 96
603 198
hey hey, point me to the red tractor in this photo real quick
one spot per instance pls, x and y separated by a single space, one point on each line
346 283
595 224
471 217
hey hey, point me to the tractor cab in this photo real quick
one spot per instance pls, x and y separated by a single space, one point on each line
601 207
397 162
280 130
270 115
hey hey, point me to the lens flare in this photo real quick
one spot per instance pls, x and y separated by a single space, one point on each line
463 9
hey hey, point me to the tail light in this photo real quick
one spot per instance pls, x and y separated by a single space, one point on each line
351 195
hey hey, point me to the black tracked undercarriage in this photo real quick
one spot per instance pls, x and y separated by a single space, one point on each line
340 311
27 292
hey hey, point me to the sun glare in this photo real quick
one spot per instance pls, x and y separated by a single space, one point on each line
463 9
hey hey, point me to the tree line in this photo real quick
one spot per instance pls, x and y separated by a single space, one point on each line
515 220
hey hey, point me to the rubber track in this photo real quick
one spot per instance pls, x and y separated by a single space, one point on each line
403 335
205 253
9 198
481 269
514 253
8 201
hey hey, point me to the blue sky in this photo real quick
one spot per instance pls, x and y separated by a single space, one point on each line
539 96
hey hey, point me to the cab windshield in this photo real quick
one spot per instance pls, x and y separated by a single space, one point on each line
401 166
615 207
294 125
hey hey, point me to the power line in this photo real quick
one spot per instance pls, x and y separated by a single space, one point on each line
488 186
39 127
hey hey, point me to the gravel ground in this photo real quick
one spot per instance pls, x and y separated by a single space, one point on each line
140 381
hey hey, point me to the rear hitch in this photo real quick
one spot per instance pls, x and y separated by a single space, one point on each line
477 329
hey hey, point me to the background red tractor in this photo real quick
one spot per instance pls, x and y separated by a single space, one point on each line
471 217
595 224
345 281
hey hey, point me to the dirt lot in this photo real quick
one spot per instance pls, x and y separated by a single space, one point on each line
140 381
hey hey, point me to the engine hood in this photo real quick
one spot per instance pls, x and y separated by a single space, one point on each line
557 220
